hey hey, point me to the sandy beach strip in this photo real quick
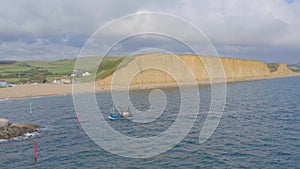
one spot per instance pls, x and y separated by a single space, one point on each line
34 90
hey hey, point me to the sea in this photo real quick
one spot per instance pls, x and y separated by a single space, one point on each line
259 128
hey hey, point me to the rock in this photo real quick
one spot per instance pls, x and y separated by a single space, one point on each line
27 127
4 122
14 130
5 136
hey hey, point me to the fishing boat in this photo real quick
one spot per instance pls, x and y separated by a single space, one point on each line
123 115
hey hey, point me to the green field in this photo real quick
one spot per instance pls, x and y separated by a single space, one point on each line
22 71
295 67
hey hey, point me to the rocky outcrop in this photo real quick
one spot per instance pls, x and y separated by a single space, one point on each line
282 70
165 68
8 130
4 122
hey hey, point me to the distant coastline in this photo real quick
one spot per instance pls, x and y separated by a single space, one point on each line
149 71
156 68
34 90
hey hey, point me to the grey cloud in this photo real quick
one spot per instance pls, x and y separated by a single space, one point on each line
265 30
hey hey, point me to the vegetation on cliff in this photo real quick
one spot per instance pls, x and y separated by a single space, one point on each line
108 67
273 66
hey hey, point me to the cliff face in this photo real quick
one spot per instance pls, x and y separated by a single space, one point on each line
282 70
238 69
165 68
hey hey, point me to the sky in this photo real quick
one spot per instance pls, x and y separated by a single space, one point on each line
48 30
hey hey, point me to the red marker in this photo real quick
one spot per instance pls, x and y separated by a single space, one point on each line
34 150
78 119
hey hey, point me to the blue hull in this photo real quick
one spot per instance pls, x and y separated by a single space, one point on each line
116 117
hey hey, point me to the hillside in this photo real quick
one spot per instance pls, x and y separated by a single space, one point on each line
22 71
294 67
138 71
18 71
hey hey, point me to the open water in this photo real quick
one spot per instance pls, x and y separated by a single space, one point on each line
260 128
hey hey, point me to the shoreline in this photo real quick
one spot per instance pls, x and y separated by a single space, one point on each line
38 90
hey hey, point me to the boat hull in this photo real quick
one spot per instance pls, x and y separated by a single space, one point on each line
117 117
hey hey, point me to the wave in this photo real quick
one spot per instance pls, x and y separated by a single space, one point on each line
42 129
36 97
24 137
5 99
3 140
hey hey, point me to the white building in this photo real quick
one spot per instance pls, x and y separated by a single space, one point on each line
86 74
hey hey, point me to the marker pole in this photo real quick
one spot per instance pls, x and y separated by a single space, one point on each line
78 119
34 150
30 107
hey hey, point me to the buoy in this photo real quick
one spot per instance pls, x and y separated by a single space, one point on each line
34 150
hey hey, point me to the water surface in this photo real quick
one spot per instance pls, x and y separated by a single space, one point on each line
259 129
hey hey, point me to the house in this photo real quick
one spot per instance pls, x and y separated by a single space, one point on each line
62 80
77 72
80 72
4 84
86 74
56 81
66 81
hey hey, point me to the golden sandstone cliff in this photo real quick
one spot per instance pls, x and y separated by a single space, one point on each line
165 68
282 70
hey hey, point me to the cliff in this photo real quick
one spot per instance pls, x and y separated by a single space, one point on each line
282 70
165 68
